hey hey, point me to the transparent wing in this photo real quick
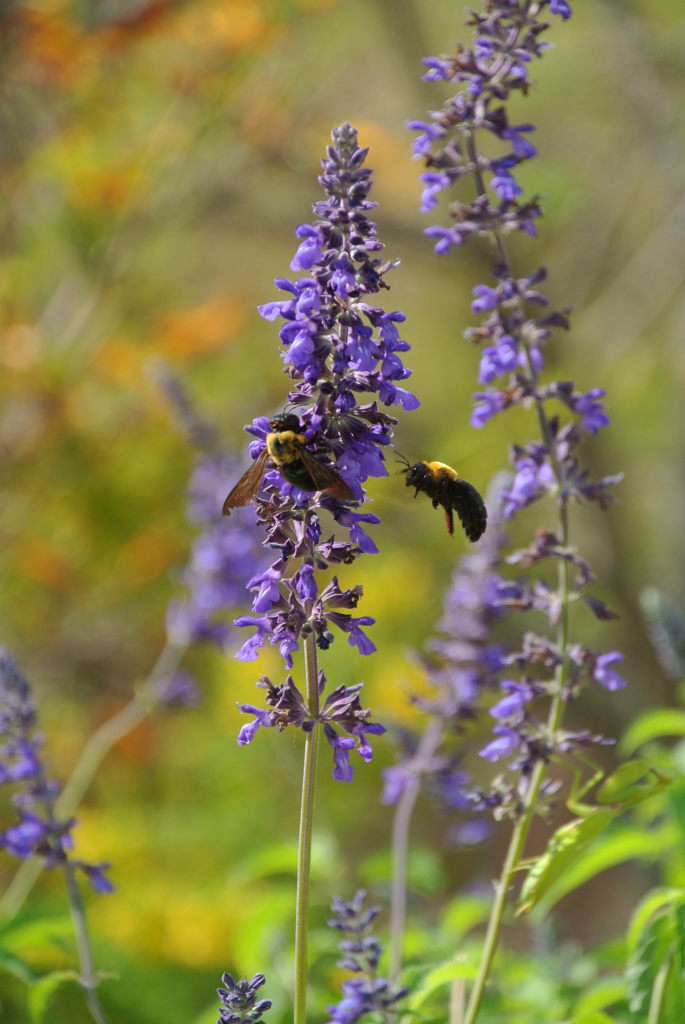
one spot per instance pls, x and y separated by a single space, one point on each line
325 477
248 485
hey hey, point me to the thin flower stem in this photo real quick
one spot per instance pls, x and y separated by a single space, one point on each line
87 979
520 834
304 854
92 756
522 828
428 744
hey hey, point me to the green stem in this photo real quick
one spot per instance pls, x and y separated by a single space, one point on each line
88 979
92 756
428 744
304 854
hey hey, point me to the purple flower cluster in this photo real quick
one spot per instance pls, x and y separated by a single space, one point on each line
239 1003
337 348
506 39
366 992
513 331
512 336
37 832
341 707
224 556
343 355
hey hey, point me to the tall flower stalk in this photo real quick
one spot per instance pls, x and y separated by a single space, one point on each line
342 354
507 37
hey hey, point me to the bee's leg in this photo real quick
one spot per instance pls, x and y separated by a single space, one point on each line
436 502
449 519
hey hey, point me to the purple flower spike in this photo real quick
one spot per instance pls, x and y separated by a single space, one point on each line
38 832
239 1002
344 360
514 326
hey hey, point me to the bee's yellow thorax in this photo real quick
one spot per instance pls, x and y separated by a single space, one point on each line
437 467
283 445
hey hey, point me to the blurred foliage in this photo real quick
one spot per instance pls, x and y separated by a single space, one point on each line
155 157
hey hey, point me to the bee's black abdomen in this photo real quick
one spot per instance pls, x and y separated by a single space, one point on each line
470 508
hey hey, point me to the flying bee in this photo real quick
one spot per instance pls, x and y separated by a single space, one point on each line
442 485
285 447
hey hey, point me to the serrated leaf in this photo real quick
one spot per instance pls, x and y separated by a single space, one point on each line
10 963
673 1003
439 976
42 993
654 951
413 975
679 914
652 903
652 725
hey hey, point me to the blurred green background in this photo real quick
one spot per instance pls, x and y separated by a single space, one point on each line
155 158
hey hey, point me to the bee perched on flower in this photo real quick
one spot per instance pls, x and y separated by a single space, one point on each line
285 446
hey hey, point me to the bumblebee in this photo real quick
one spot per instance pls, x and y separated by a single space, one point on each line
285 447
442 485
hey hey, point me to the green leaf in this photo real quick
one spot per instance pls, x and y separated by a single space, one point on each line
43 931
439 976
603 993
466 912
43 992
607 851
563 848
10 963
676 799
652 725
